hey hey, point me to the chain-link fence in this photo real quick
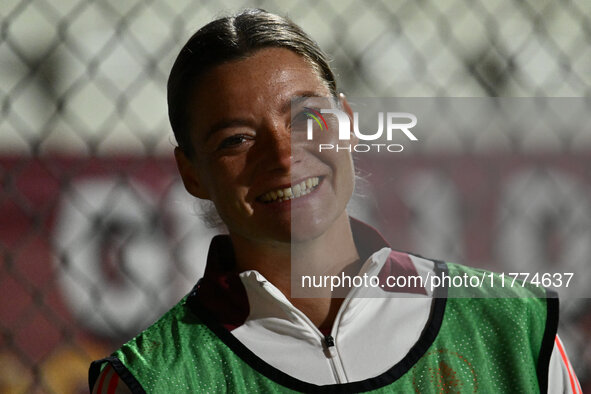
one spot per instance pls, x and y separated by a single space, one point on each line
95 236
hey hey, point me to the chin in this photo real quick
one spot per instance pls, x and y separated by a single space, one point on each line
307 229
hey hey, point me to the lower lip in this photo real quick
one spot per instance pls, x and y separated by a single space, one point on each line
294 202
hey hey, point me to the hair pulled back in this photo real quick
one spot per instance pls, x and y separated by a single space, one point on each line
233 38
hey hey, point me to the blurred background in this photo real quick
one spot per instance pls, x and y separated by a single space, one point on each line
98 237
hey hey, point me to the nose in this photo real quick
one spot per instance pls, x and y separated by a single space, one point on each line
277 149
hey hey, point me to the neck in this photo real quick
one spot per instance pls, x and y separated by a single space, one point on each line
332 253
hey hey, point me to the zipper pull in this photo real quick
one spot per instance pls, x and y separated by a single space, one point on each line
329 341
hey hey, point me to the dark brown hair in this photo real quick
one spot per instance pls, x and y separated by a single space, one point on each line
232 38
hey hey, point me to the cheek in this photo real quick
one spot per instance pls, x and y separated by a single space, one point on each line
347 175
225 180
344 174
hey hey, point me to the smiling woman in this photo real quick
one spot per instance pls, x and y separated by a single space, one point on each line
232 93
241 135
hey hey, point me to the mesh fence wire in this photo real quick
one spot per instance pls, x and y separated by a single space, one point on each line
96 235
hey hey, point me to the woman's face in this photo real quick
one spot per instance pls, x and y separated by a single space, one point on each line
245 159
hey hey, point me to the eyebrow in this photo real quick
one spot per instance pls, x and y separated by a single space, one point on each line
297 99
237 122
224 124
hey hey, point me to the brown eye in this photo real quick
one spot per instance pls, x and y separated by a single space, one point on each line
300 118
234 141
299 122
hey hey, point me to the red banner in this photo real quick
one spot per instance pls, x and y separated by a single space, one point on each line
89 245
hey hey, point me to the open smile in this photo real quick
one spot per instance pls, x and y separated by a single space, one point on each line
289 193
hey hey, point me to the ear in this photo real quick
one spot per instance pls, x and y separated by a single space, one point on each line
189 175
349 112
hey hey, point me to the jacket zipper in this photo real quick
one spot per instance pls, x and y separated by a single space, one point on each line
329 348
330 342
335 360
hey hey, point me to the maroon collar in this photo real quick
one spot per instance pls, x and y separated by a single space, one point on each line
222 293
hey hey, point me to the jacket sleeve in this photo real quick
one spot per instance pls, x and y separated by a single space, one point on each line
561 375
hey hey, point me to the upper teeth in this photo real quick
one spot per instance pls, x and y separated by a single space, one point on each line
294 191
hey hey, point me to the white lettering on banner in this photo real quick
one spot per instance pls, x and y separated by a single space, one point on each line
343 121
361 147
368 137
404 127
344 125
